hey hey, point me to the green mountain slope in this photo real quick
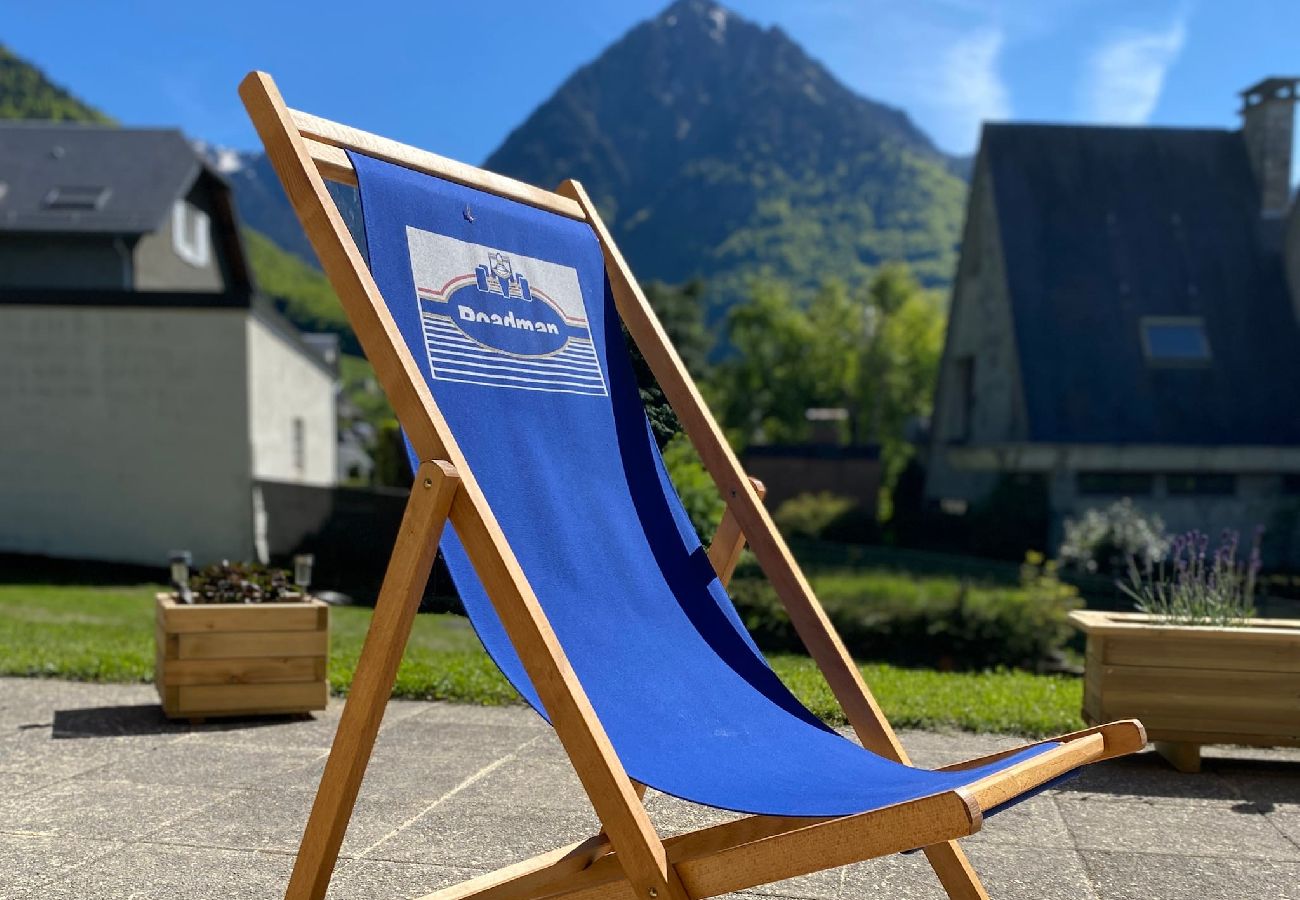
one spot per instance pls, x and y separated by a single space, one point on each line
25 93
720 149
299 290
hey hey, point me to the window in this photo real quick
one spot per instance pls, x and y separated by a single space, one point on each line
1124 484
86 198
1174 340
299 445
190 227
1208 484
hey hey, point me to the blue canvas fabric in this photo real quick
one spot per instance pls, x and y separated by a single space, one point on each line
549 419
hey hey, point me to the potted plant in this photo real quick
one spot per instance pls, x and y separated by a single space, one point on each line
240 639
1193 663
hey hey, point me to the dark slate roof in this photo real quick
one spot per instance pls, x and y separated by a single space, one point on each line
143 172
1101 226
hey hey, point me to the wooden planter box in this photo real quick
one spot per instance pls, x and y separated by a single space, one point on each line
241 659
1194 685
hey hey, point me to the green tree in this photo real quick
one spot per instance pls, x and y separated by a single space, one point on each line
679 309
900 363
874 352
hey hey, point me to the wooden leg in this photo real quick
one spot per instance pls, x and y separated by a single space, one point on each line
955 872
399 599
1181 755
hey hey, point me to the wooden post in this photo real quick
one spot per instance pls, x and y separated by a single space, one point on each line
381 654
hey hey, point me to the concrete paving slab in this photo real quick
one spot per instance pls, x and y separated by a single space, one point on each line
91 773
1148 777
28 861
162 872
899 877
1191 830
1269 783
103 810
482 836
1031 873
198 762
272 818
367 879
1148 876
1037 822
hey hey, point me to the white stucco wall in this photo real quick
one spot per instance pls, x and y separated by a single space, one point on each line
286 385
124 433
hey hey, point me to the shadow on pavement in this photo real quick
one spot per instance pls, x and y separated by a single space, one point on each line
145 719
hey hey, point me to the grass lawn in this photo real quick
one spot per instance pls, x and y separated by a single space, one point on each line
106 634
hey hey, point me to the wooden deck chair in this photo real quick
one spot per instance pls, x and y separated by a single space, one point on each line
490 310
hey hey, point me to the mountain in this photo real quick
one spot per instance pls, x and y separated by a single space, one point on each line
715 147
262 203
25 93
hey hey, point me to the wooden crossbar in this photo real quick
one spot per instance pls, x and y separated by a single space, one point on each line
628 859
729 540
322 132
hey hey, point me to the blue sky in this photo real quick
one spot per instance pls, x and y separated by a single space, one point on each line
455 77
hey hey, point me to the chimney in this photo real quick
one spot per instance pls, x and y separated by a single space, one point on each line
1268 125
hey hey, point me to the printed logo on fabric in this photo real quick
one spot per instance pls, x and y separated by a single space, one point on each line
500 319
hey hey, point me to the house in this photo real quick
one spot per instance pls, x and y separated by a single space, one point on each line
1122 325
146 390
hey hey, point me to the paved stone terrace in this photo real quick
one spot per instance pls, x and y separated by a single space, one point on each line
100 797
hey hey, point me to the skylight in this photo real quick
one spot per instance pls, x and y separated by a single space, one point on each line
1175 340
76 197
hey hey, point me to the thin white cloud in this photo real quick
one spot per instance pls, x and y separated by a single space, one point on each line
972 90
1126 74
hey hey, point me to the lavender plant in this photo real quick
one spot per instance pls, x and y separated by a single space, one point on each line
1189 587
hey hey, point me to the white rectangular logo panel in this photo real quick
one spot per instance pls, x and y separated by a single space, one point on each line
501 319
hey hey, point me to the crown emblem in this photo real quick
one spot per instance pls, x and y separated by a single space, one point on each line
498 277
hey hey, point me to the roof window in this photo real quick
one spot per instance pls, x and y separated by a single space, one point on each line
86 198
1174 340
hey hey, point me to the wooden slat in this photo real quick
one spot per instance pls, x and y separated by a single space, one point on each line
1192 735
225 699
1094 621
332 162
381 653
240 671
778 563
597 765
240 644
1166 726
207 617
1180 652
729 541
1231 684
326 132
761 849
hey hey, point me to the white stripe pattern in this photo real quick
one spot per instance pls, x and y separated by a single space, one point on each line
454 357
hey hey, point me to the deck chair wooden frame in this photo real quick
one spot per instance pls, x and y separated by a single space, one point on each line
628 859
